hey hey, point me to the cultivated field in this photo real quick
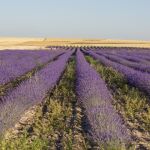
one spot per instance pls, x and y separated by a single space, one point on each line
39 43
69 97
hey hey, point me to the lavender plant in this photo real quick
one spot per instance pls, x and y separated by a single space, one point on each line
19 64
134 65
30 92
135 78
106 126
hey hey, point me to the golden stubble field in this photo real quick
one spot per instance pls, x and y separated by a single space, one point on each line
39 43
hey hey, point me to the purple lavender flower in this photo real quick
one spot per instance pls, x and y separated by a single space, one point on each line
138 79
17 63
106 126
134 65
30 92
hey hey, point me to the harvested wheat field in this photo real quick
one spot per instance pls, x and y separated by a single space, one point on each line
40 43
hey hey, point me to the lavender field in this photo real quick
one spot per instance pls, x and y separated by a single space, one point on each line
69 98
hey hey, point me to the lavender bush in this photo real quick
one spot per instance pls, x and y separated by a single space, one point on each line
30 92
20 63
135 78
106 125
133 58
134 65
126 55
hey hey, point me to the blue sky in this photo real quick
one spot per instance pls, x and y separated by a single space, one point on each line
115 19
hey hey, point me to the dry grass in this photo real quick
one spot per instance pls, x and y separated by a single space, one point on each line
36 43
17 43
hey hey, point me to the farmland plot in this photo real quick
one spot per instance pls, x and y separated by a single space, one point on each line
75 98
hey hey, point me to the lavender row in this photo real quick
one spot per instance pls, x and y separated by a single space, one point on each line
133 55
133 50
142 56
15 57
133 58
140 53
12 68
126 56
106 125
30 92
135 78
134 65
8 55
